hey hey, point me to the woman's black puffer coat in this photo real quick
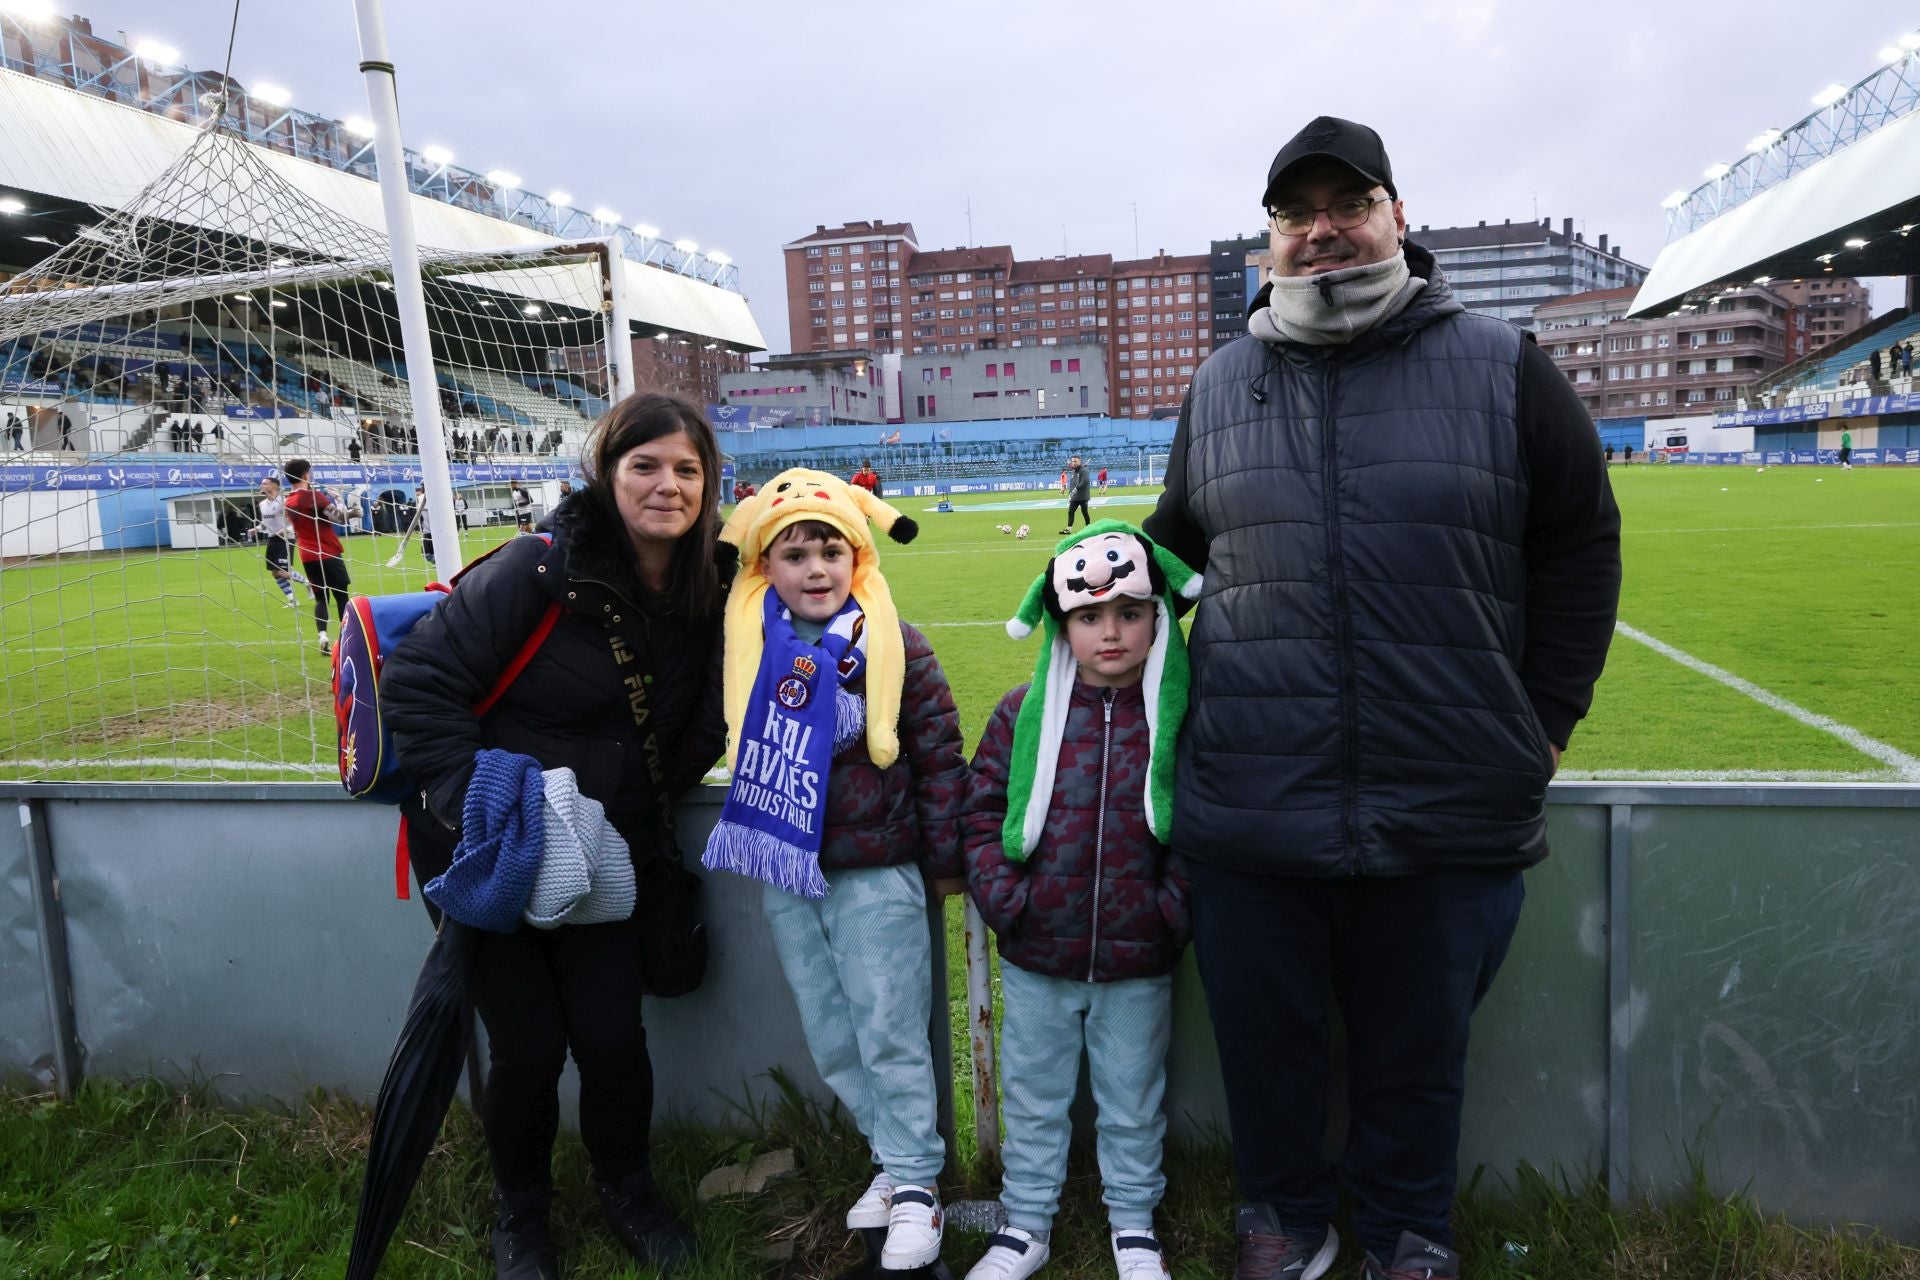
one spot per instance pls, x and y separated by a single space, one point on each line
570 706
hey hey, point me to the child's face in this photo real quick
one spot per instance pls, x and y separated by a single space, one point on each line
812 578
1110 640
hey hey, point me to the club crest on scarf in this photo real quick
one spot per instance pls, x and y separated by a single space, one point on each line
770 828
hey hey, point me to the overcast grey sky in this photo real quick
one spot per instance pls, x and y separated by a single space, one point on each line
743 125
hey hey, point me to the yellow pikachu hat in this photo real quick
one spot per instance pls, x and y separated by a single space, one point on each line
790 497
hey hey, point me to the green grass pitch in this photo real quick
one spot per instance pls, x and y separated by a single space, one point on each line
1797 580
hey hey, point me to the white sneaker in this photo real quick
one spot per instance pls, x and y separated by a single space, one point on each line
1137 1255
870 1210
325 648
291 602
914 1226
1012 1255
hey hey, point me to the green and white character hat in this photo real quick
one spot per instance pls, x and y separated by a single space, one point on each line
1108 560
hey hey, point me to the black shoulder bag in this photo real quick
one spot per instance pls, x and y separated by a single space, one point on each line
673 938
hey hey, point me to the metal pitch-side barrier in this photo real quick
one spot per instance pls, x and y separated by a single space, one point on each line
1720 974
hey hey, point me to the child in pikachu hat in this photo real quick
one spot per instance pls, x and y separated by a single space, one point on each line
1065 835
848 777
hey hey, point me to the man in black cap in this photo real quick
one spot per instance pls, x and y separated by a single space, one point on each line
1412 563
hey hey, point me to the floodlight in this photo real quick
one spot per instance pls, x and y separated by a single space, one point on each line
642 229
603 214
156 51
660 336
283 262
8 204
271 94
485 303
1714 171
1825 257
501 178
1856 243
686 246
1764 139
358 126
1891 53
1909 41
28 10
243 297
437 155
1674 201
1763 279
560 197
714 255
531 309
278 305
1829 95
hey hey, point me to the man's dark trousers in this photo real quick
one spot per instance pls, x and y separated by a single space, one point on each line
1408 958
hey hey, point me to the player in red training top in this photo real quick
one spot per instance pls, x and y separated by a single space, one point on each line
866 477
312 514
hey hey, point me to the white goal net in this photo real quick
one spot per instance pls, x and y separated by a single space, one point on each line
159 371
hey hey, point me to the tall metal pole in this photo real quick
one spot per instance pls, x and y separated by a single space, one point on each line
423 386
619 324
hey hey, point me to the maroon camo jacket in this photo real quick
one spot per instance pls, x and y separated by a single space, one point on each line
1100 899
911 809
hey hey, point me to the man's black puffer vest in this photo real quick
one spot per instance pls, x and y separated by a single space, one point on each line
1357 705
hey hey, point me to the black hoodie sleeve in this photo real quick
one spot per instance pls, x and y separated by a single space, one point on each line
1572 548
447 663
1170 525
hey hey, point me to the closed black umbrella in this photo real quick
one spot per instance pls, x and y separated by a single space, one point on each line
417 1090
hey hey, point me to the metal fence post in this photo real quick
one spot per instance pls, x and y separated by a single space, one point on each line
986 1088
67 1060
1619 997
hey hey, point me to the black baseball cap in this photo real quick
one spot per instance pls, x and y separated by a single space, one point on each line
1329 137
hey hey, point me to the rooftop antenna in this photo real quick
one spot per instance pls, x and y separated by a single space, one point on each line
969 221
1063 239
1136 228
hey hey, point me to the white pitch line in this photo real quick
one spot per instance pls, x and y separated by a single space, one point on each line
1781 528
169 762
1908 767
1726 775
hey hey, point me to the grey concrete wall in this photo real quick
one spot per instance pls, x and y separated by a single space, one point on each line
954 396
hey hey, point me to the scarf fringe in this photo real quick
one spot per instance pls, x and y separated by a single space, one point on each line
746 851
849 719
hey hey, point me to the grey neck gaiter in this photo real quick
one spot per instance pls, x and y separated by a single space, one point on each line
1336 307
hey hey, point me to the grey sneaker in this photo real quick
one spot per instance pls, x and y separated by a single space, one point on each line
1269 1253
1414 1259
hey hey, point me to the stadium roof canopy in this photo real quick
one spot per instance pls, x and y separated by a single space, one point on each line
78 150
1838 193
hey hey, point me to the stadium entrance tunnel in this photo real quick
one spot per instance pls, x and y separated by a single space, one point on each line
390 510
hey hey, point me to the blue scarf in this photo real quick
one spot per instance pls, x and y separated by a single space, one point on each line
798 716
502 840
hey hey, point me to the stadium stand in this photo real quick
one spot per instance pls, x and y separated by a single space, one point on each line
1843 370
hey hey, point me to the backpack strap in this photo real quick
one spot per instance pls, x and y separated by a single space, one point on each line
520 659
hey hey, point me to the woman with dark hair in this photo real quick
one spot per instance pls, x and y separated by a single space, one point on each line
624 692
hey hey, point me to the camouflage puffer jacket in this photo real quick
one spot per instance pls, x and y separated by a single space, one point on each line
1100 899
909 810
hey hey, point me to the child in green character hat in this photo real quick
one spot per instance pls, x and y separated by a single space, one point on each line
1066 825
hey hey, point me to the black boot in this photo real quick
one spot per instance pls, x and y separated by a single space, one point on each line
641 1220
521 1249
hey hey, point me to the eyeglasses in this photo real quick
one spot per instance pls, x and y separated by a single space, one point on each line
1344 215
